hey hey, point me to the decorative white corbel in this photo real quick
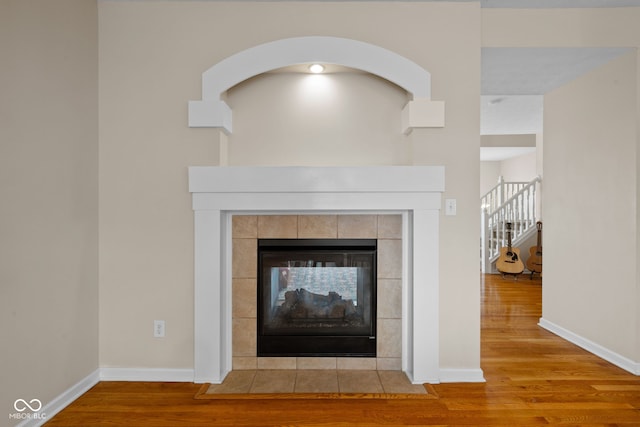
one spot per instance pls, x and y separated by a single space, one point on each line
422 113
211 113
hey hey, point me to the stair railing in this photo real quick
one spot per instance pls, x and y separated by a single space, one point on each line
520 210
502 191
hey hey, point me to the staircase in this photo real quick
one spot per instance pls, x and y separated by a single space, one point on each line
513 202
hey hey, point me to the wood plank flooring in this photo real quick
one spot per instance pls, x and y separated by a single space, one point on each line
533 378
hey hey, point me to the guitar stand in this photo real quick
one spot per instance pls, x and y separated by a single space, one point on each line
515 275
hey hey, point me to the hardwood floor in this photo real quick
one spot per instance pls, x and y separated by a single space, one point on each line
533 378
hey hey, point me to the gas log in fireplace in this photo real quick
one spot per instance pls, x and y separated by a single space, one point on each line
317 297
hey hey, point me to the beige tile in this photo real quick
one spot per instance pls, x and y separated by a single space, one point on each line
389 259
359 382
276 363
317 363
389 339
277 226
389 298
357 226
245 258
317 381
389 364
390 227
397 382
244 298
274 381
244 362
244 337
317 226
236 382
244 227
356 363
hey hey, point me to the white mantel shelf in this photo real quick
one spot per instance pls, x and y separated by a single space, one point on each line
296 179
412 191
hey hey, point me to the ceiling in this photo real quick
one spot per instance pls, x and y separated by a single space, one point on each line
514 81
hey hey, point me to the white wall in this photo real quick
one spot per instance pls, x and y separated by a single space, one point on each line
49 203
152 55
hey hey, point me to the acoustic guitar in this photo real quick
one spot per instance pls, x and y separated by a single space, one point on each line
509 261
534 263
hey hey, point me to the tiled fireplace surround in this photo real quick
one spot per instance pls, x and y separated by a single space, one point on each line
352 197
246 229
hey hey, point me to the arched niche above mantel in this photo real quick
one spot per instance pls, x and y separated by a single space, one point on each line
213 112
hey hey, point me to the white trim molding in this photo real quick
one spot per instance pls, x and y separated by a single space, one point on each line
212 111
146 374
220 192
600 351
63 400
462 376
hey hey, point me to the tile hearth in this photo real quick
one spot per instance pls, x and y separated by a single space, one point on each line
315 381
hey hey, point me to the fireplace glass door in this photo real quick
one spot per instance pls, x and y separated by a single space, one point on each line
316 297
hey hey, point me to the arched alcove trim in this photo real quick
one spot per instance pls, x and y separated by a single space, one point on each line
211 111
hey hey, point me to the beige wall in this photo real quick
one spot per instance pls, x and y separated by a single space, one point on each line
524 140
590 186
608 27
520 168
637 197
152 55
489 175
515 169
317 120
48 193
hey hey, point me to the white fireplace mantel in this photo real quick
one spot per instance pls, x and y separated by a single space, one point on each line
412 191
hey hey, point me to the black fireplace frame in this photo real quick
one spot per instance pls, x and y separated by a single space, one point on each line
300 345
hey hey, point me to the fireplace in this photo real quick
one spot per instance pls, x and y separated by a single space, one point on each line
414 192
316 297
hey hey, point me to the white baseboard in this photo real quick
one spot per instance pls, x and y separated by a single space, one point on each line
104 374
461 376
598 350
63 400
146 374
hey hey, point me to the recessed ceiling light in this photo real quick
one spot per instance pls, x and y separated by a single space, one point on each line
316 68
